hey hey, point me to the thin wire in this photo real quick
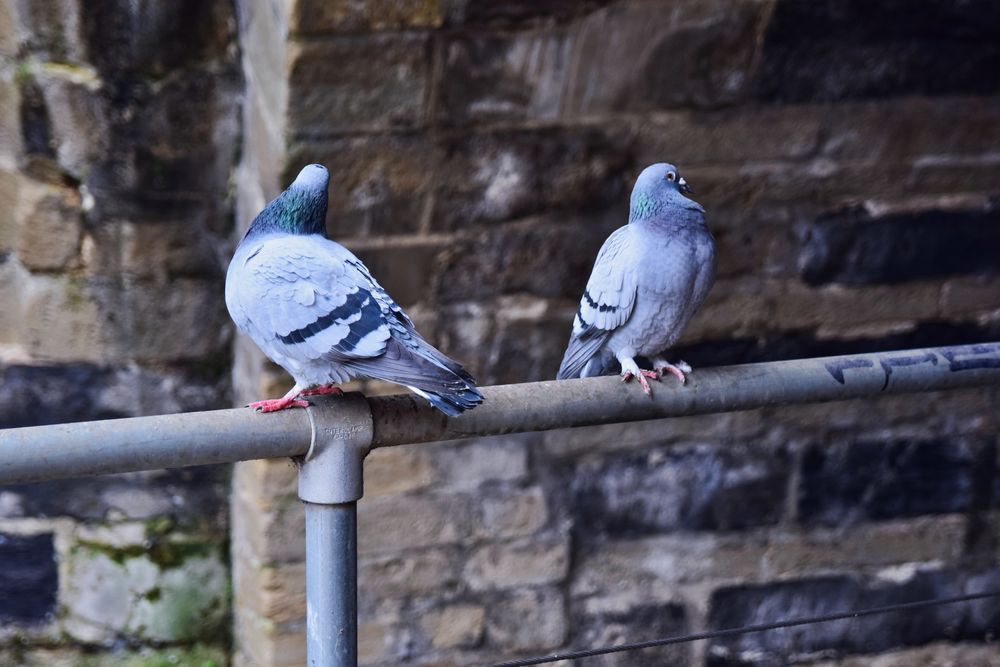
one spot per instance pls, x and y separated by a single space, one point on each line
730 632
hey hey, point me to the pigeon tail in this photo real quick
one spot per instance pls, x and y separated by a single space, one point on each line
452 404
417 365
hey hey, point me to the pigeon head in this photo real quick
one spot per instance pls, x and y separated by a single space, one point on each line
300 209
659 188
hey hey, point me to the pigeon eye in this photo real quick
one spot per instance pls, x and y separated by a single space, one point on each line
671 176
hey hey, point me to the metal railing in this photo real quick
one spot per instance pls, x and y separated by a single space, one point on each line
331 439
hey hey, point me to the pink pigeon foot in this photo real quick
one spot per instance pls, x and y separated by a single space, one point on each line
322 390
627 375
679 371
275 404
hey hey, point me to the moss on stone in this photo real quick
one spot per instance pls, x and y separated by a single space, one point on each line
159 526
165 555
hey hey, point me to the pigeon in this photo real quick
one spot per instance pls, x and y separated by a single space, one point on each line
649 279
315 309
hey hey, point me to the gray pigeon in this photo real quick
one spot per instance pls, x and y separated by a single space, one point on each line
316 311
649 279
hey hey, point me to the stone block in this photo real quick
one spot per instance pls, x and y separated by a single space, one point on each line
609 629
753 247
466 330
514 173
693 488
275 592
808 597
530 348
10 183
267 480
530 619
536 258
517 13
945 175
188 321
174 591
61 320
864 546
454 626
8 35
396 470
938 654
962 297
641 56
736 307
829 52
512 513
154 251
10 116
78 115
471 464
384 86
854 248
619 575
399 523
29 581
72 392
504 76
406 270
529 562
727 136
192 498
379 185
381 641
49 30
836 311
264 41
198 655
573 444
50 226
922 131
156 39
267 533
308 17
423 572
264 644
881 480
736 606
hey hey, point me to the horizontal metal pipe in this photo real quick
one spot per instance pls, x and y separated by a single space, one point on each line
548 405
149 443
49 452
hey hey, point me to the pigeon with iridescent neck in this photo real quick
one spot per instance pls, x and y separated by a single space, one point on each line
649 279
317 312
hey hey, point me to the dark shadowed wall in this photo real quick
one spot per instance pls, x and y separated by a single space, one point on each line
119 129
847 154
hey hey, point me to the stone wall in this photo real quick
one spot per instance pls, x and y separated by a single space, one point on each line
846 153
481 151
119 126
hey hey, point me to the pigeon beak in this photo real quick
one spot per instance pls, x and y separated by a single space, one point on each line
684 187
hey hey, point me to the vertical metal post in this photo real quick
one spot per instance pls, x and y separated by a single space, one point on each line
330 485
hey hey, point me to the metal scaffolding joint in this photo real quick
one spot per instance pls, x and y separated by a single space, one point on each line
341 435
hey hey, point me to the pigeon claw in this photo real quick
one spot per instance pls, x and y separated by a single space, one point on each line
322 390
679 370
275 404
627 375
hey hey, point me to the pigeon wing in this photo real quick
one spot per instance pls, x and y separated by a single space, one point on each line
300 300
606 305
310 300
